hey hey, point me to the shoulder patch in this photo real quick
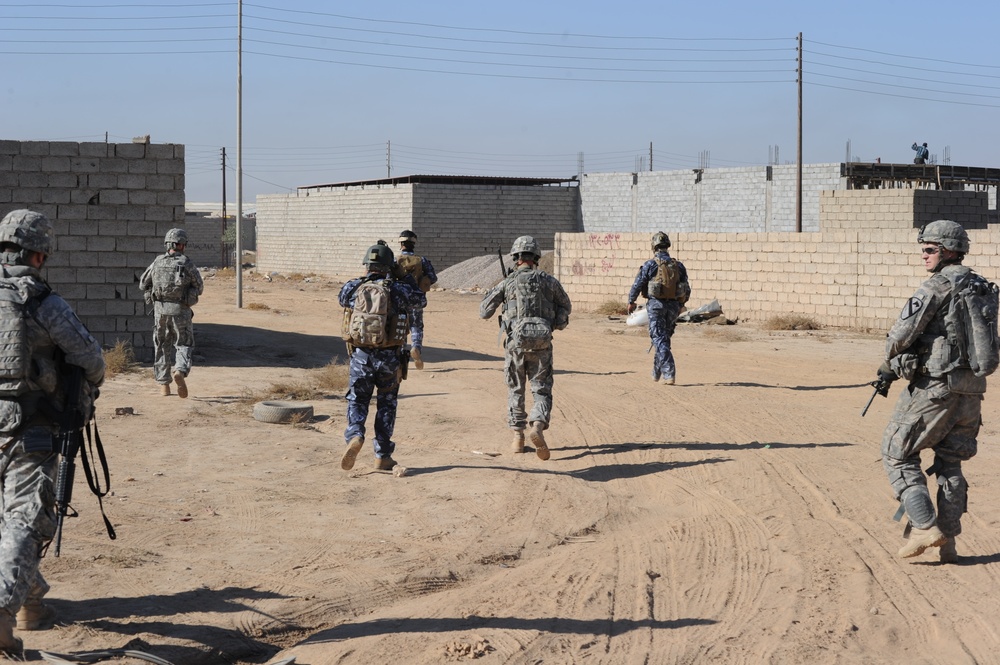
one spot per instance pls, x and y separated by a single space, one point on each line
912 308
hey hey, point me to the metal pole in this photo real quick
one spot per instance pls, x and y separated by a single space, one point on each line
798 174
225 219
239 158
650 155
388 159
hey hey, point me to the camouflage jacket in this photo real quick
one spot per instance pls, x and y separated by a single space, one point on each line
555 304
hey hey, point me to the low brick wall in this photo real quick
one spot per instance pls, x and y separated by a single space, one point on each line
845 277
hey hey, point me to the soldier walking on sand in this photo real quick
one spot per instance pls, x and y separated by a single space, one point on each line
421 270
41 338
663 281
941 408
173 284
376 321
534 304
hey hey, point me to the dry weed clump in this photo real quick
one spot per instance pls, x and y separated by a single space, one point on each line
332 378
725 334
119 359
611 308
790 322
257 306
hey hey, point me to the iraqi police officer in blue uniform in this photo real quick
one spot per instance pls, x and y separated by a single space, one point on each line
664 281
376 343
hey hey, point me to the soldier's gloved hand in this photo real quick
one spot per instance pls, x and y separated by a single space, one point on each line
630 308
885 373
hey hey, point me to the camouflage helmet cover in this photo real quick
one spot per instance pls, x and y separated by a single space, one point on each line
526 244
28 230
175 237
379 256
660 239
946 233
407 236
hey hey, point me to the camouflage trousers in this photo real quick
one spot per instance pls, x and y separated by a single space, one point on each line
662 323
522 368
173 340
929 416
417 328
373 369
27 518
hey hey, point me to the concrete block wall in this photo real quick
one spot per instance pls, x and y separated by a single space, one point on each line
901 208
111 204
715 200
204 241
327 231
457 222
858 278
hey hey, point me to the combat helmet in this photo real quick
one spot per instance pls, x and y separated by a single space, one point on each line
660 239
29 230
175 237
946 233
407 237
526 245
379 257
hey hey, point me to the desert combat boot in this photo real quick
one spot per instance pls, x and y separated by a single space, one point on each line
165 389
353 448
920 540
8 643
538 439
948 553
517 445
182 389
35 615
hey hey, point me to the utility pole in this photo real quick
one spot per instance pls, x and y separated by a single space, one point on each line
650 155
239 157
224 221
798 173
223 185
388 159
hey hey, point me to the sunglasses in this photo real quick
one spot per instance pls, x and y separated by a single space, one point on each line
930 250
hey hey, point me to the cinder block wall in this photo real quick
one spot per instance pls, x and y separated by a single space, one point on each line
849 277
901 208
758 198
111 204
204 241
457 222
327 231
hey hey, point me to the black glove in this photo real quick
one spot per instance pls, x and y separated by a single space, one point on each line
885 373
630 308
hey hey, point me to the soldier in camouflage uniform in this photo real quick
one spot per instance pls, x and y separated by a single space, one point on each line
663 311
422 271
940 408
376 368
28 450
173 284
534 304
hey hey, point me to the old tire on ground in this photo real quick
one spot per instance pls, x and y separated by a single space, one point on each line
282 412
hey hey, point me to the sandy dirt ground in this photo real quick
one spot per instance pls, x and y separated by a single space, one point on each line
740 516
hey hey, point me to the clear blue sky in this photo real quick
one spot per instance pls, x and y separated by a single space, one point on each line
502 88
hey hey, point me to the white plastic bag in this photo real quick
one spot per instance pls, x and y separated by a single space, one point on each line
639 317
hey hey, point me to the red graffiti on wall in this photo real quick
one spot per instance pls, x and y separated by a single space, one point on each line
612 240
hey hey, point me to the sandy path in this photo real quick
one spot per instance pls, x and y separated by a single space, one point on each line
738 517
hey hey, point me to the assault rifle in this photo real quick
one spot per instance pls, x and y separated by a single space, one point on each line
71 425
503 268
881 388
